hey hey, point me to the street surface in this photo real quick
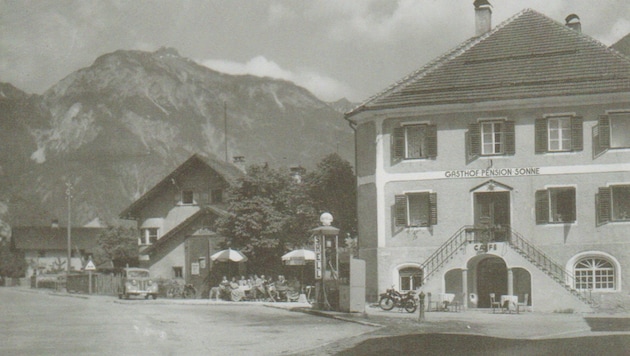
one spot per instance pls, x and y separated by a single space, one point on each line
37 323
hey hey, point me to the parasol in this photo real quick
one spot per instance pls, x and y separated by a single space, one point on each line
229 255
297 257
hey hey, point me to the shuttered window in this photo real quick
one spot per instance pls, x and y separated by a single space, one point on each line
559 134
490 138
415 141
620 130
613 204
555 205
416 209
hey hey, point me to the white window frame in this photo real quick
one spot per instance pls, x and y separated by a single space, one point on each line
184 196
494 142
564 143
614 215
554 219
423 144
427 205
145 235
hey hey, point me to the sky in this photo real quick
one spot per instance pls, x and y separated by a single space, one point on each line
334 48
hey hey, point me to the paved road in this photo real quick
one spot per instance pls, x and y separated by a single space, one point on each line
36 323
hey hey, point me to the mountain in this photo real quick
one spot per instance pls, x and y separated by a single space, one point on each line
343 105
115 128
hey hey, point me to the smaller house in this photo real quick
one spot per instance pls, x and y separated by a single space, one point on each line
175 220
46 247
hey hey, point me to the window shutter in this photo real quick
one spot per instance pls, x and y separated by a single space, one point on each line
542 207
604 132
542 136
432 141
577 139
401 210
399 142
510 138
603 205
474 141
433 209
573 215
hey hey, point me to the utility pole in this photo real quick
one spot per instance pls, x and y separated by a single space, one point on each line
69 197
225 127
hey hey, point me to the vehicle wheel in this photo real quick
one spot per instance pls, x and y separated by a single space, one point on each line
410 306
146 296
154 296
386 303
189 293
120 296
126 296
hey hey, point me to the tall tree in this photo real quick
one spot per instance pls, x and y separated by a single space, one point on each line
118 245
268 210
332 188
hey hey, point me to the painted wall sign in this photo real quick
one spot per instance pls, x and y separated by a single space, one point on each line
485 247
493 172
318 257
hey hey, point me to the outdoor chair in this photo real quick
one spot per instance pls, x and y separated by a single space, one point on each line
522 304
494 303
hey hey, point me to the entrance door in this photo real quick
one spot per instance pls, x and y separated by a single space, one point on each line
492 210
491 278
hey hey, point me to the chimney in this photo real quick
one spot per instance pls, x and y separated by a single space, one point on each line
483 17
573 22
54 224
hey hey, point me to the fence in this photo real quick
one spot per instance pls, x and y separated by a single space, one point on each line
103 284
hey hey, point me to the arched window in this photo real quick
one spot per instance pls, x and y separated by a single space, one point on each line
410 278
594 273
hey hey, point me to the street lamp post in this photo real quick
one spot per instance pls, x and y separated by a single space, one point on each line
69 197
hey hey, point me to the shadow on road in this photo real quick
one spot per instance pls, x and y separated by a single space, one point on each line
454 344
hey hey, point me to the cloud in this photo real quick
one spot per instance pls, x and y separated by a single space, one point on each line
324 87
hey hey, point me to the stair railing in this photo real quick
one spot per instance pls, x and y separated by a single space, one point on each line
546 264
446 251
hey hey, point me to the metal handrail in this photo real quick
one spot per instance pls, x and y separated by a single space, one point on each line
442 254
544 262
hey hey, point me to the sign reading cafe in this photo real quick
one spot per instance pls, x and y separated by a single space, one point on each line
493 172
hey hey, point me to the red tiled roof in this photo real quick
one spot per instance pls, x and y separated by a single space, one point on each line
527 56
54 238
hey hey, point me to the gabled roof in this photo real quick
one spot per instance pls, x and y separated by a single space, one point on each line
527 56
208 210
228 171
54 238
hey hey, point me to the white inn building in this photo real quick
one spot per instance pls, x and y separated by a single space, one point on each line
501 167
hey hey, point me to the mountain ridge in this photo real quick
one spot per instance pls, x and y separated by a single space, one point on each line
113 129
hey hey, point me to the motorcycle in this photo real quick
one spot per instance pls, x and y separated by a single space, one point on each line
393 298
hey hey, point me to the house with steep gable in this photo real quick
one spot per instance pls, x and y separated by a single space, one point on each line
176 216
501 168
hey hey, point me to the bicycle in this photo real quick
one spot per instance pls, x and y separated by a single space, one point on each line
187 291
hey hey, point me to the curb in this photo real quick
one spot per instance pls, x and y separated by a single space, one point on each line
338 317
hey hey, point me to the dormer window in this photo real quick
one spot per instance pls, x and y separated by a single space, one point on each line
187 197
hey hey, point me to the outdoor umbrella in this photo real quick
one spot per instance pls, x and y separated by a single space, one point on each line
298 257
228 256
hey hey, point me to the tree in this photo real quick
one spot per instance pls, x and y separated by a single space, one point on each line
12 263
118 245
332 188
271 213
267 213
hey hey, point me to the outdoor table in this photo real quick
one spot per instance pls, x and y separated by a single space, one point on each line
509 303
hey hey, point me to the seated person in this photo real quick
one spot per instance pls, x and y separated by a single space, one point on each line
281 288
225 292
293 290
259 287
236 294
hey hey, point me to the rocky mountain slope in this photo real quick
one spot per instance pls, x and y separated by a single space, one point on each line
117 127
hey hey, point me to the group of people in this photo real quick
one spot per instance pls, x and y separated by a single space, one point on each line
257 288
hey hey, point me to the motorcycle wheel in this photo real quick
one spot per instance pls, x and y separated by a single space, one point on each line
410 306
386 303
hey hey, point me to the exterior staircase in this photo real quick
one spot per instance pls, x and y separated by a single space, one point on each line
466 235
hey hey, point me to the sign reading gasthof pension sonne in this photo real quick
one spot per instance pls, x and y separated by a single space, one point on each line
493 172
